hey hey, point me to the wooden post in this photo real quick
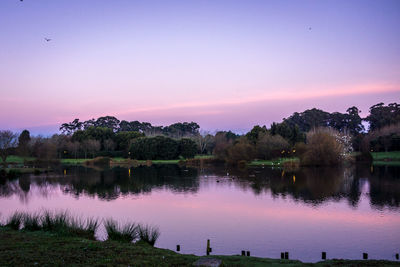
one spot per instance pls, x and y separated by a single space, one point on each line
397 256
208 247
178 247
248 253
243 253
282 255
324 255
365 256
286 255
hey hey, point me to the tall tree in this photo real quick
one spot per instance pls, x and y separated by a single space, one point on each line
8 140
381 115
23 143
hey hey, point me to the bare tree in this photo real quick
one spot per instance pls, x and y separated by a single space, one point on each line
73 147
90 146
109 145
8 140
203 140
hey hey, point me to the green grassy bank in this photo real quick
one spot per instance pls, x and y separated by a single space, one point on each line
275 162
386 156
20 248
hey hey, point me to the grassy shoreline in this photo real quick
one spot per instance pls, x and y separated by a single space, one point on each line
379 158
24 248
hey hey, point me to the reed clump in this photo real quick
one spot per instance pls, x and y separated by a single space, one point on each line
148 234
15 220
118 232
57 222
32 222
62 223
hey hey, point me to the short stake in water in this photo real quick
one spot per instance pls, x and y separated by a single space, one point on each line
248 253
324 255
208 247
397 256
178 247
243 253
282 255
365 256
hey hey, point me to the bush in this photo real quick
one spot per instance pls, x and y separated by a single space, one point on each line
99 161
153 148
240 151
270 146
12 174
322 149
187 148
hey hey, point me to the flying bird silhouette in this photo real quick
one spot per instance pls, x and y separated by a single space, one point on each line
47 39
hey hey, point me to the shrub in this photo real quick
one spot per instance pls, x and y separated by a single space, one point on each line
12 174
152 148
270 146
187 148
241 150
322 149
99 161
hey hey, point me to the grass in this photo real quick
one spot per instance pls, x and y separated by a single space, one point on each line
204 156
381 156
386 163
276 162
32 222
73 161
60 223
15 220
123 233
23 248
148 234
17 159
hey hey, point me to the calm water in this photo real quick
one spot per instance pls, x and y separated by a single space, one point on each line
341 211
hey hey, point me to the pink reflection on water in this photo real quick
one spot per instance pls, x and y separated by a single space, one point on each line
236 219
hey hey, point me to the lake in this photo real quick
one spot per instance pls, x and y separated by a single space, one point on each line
343 211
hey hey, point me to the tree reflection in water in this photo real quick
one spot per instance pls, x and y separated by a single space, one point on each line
312 186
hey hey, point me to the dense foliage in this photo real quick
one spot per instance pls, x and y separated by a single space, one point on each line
108 136
161 147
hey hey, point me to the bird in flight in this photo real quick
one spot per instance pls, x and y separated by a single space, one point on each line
47 39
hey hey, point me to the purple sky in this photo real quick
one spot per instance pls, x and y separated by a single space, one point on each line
223 64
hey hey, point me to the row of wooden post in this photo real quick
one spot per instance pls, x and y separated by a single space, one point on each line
284 255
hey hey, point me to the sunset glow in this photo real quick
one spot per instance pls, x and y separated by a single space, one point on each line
224 64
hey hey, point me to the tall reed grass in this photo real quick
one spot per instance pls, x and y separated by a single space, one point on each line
63 223
148 234
15 220
125 233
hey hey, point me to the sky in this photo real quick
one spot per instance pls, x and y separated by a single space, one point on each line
227 65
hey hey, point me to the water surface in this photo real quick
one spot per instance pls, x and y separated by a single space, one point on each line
343 211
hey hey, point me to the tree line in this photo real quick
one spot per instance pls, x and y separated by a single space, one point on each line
108 136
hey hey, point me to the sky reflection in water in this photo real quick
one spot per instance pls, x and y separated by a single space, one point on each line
342 211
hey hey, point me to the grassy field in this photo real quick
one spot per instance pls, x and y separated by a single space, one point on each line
275 162
20 248
382 156
17 159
